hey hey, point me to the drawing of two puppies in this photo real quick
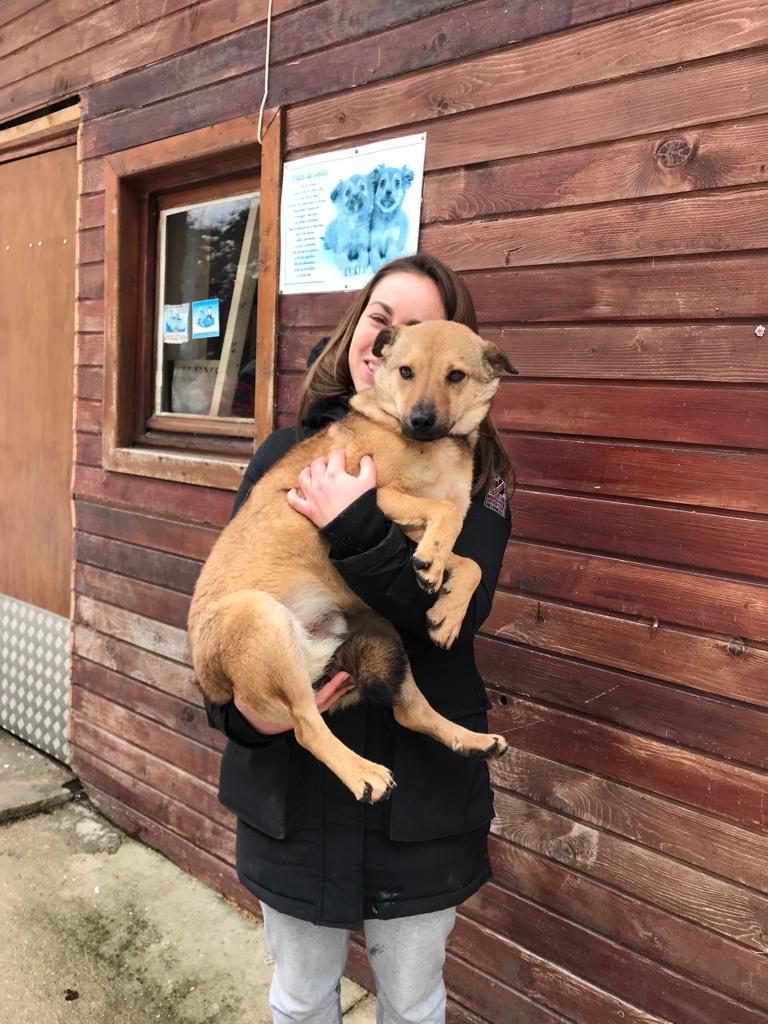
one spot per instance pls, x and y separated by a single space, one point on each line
370 226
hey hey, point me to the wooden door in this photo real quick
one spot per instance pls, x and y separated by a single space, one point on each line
38 196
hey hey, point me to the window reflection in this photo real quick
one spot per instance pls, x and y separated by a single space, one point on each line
206 341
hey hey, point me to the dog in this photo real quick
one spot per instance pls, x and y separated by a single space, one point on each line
348 236
271 616
389 223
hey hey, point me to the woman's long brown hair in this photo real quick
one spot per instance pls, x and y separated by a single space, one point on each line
329 375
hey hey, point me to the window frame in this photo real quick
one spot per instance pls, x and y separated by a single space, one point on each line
131 442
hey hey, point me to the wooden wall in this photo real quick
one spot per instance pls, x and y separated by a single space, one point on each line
598 170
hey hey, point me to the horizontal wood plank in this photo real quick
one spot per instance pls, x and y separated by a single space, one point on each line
720 666
719 221
89 348
702 157
128 660
641 926
718 787
719 906
196 760
168 571
686 476
189 720
533 973
173 782
494 1001
729 543
657 289
210 837
720 417
324 27
606 51
122 591
197 504
149 635
589 967
152 531
694 600
88 449
116 39
633 351
698 839
720 728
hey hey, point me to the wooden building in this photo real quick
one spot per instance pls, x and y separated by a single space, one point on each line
597 169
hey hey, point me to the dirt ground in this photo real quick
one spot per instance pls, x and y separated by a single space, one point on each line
96 928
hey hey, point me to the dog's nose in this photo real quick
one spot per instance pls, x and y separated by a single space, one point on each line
422 420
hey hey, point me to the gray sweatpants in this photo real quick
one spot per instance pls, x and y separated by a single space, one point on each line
406 956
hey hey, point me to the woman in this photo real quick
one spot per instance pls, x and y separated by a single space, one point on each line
320 862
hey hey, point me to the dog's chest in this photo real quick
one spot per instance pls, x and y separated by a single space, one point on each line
444 475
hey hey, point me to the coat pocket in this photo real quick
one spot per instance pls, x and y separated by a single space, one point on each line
439 793
254 785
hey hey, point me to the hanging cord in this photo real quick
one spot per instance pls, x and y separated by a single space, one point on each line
266 68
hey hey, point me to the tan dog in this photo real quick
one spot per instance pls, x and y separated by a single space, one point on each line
271 616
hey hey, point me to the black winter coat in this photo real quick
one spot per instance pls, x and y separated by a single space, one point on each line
305 846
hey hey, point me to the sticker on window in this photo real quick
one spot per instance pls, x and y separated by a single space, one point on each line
205 318
176 324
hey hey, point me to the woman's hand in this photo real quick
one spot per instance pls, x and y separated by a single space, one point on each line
328 489
325 698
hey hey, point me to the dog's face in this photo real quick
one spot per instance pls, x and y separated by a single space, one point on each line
437 378
353 195
390 185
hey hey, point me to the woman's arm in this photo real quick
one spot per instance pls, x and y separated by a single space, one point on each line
373 554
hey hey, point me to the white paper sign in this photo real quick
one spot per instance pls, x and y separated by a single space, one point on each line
344 214
176 324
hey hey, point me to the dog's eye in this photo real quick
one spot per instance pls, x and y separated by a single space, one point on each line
406 372
455 376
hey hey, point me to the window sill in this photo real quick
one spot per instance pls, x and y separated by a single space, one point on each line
181 467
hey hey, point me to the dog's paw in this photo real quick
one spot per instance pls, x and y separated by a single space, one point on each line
443 632
369 782
428 575
479 744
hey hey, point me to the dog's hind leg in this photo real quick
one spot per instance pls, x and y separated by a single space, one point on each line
259 649
413 711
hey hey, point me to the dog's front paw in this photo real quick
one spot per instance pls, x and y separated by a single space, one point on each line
429 575
444 619
443 632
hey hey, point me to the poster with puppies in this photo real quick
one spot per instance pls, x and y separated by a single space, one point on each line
344 214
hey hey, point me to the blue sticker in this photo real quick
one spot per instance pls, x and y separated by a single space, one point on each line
205 318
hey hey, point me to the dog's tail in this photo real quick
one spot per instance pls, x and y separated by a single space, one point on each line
374 656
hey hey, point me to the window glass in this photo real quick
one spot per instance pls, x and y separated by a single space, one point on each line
207 288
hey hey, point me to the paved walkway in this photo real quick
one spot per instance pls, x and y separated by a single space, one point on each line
96 928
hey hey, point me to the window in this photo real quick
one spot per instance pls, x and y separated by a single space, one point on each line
190 302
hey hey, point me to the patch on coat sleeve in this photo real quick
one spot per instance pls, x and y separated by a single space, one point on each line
496 498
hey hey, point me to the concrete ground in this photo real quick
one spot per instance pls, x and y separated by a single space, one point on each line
96 928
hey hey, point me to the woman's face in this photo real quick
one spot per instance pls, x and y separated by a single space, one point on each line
400 298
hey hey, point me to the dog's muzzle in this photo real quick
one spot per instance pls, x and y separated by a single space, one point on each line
422 425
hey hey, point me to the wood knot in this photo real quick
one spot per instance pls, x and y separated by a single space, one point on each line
675 151
737 646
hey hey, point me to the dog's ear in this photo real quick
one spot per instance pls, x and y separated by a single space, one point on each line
375 175
497 360
383 338
407 175
335 193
